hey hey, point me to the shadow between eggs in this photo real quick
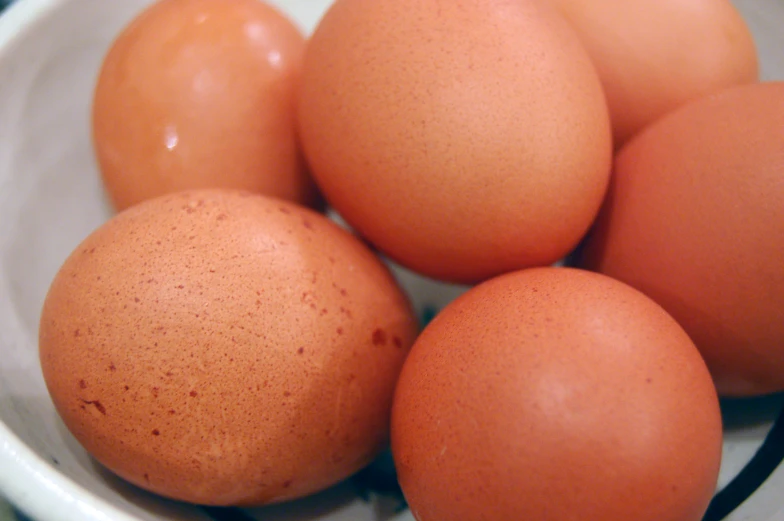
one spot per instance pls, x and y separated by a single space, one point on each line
741 413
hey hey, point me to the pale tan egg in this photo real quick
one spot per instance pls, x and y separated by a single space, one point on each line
655 55
224 348
201 94
463 138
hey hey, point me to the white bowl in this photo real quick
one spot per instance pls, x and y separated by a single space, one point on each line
51 198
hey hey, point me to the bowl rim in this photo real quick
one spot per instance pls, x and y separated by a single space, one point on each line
24 475
27 480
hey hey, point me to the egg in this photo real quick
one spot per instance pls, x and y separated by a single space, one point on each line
224 348
695 219
655 55
463 139
201 94
556 393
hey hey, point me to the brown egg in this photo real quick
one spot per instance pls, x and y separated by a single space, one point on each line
695 219
555 393
655 55
464 139
201 94
224 348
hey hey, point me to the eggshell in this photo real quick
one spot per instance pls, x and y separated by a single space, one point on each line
222 348
695 219
201 94
463 139
556 393
655 55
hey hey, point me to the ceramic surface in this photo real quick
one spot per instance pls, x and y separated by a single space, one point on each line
51 198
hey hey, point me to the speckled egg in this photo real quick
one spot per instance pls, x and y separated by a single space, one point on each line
464 139
555 393
695 220
224 348
201 94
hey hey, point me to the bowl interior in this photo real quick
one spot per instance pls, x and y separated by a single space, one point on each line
51 198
